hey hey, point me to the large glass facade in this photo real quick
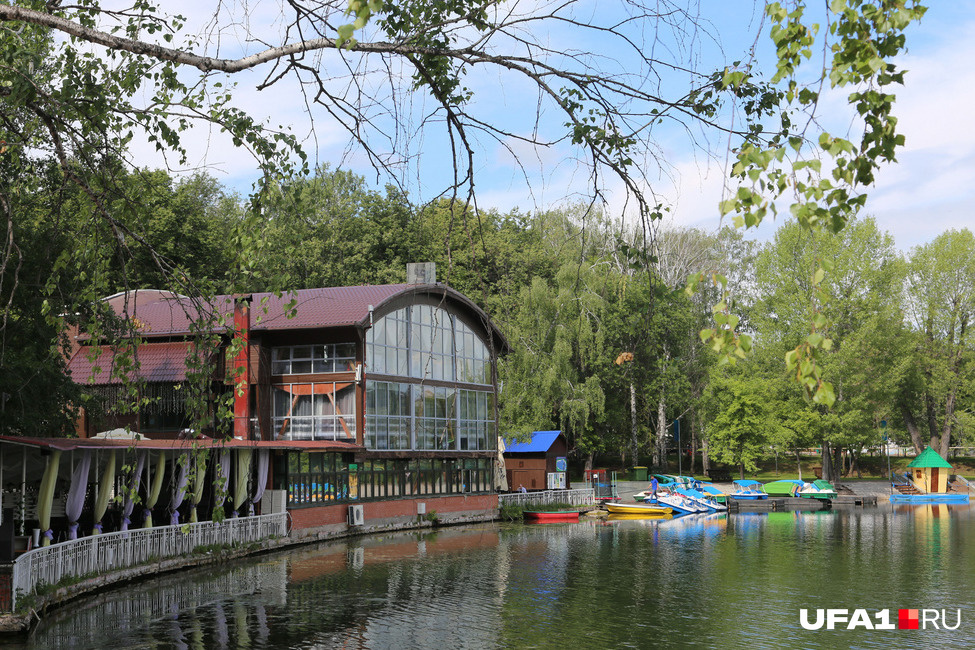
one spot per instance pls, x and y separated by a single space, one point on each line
421 343
388 415
429 418
427 342
319 411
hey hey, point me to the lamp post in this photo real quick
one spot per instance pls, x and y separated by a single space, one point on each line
680 470
890 477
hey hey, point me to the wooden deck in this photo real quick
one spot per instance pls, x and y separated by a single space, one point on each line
798 503
755 505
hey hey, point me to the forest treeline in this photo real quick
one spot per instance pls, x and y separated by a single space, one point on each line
600 348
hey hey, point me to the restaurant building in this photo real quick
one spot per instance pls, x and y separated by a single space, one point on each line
352 406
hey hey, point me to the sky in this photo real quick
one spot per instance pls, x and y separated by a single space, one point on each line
929 190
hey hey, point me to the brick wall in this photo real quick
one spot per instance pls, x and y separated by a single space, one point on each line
330 521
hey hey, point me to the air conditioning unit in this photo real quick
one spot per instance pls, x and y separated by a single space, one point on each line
356 516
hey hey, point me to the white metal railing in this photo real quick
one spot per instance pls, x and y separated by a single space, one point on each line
961 479
579 497
100 554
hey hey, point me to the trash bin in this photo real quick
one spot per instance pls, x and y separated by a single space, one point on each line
639 474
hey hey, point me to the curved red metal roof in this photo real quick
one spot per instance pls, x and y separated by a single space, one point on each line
161 313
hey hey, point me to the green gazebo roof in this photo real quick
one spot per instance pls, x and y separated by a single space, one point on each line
929 458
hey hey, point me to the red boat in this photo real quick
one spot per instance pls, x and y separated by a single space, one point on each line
558 515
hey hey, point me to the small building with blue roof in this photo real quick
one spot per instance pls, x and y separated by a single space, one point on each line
528 464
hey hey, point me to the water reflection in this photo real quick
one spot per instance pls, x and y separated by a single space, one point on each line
716 580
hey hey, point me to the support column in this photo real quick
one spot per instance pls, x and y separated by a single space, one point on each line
242 393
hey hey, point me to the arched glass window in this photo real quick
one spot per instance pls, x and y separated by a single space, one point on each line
420 343
427 342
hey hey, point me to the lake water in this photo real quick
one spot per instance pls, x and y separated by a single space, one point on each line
727 581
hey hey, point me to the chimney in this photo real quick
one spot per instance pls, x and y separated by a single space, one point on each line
421 273
241 377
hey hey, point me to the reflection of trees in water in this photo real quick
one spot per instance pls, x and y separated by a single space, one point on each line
184 609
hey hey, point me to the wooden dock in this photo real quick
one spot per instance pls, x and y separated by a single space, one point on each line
797 503
855 500
755 505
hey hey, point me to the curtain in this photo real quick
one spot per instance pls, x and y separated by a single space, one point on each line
263 460
243 474
154 490
221 482
104 492
199 474
133 490
76 493
45 497
180 489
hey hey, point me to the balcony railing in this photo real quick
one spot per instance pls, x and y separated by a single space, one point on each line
101 554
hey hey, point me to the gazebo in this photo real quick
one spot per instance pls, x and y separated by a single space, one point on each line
928 471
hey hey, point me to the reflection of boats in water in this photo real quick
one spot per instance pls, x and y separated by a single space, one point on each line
621 517
637 509
557 515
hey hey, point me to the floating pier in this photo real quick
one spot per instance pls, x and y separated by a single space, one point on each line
798 503
755 505
855 500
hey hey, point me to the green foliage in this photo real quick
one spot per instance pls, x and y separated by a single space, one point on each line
940 307
862 38
742 427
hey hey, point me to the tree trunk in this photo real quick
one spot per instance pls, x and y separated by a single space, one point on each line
705 460
741 471
912 428
934 436
634 433
952 393
827 472
945 441
693 421
837 463
660 455
799 463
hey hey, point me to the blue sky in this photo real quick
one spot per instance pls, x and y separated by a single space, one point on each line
929 190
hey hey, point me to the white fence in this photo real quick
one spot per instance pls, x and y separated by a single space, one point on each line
581 497
100 554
